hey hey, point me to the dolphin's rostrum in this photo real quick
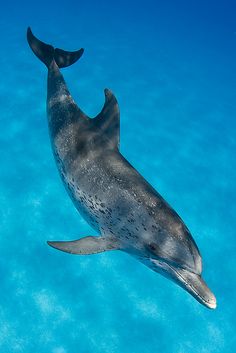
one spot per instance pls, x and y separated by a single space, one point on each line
124 209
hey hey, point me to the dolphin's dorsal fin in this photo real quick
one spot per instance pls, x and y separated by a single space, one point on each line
87 245
108 121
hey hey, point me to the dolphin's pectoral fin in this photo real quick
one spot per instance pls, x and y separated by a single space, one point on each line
86 246
108 121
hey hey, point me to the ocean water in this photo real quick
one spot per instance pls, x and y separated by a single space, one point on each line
172 67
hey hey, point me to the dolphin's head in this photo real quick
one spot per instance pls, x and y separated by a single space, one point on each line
173 253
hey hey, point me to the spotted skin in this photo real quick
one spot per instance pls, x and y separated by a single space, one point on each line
110 193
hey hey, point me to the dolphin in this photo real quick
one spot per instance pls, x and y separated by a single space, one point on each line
127 213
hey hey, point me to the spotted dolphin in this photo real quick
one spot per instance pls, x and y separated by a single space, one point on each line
127 213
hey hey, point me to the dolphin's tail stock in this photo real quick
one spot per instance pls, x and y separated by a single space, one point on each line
46 53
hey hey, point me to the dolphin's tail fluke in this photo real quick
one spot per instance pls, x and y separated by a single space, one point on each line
47 54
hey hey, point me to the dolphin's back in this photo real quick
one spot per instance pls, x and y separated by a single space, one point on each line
115 199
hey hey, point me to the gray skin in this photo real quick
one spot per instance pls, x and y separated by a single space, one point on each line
123 208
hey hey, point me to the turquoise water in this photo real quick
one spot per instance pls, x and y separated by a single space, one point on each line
172 68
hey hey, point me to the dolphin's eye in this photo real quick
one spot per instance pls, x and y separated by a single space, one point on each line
152 247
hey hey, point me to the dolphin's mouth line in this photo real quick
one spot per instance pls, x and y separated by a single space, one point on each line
188 284
180 277
209 304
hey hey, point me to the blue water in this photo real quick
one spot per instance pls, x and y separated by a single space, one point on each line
171 65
